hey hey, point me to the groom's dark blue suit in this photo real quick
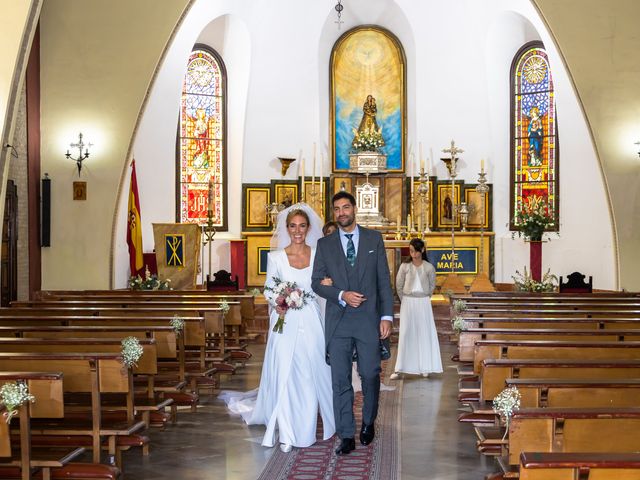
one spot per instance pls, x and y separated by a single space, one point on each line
347 327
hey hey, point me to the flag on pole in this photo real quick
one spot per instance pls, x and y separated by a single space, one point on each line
134 227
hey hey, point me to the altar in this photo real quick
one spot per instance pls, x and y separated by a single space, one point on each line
466 260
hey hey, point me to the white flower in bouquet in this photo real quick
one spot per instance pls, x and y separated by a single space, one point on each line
131 351
178 324
505 403
12 395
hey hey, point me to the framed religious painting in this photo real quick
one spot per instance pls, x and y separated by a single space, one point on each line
447 204
480 213
256 197
341 183
285 192
368 97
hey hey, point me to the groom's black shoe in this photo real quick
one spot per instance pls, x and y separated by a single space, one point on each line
366 434
346 446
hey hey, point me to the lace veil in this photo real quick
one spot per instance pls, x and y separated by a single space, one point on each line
281 239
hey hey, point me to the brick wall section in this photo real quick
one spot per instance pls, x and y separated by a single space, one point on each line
18 173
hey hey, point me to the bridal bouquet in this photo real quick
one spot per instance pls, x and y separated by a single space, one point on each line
286 295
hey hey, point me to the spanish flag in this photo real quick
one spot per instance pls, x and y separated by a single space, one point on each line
134 227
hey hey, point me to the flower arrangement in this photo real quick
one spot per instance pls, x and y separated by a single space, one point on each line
525 283
150 282
178 324
286 295
367 141
459 305
224 305
12 395
131 351
254 292
505 403
533 217
458 323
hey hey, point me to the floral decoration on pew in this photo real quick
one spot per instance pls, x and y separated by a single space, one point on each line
150 282
12 396
459 305
525 283
131 351
224 305
505 403
178 324
458 323
255 292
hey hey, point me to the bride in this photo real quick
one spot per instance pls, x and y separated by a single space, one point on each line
296 382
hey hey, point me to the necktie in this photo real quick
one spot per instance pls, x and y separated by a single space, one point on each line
351 249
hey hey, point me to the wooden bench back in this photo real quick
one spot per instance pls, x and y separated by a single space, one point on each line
496 371
571 466
147 364
46 387
536 349
466 343
577 393
573 430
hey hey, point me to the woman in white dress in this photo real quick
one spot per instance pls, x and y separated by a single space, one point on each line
418 348
296 381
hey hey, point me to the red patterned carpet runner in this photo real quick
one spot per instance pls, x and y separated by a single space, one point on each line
379 461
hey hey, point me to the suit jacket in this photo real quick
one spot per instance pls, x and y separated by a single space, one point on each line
372 270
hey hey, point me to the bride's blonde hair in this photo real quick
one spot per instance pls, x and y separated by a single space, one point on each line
296 212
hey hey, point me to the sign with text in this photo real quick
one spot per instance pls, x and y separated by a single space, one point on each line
463 261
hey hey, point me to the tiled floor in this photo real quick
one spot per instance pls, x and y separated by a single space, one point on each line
213 445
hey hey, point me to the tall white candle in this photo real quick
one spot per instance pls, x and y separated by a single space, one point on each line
413 161
321 178
313 172
210 198
482 165
302 179
421 158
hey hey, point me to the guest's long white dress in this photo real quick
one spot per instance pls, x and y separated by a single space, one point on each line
418 347
296 381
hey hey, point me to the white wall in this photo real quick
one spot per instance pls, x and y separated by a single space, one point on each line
458 60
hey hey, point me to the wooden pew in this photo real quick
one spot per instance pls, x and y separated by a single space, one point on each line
549 349
194 335
570 466
468 337
46 387
573 430
495 372
578 393
94 373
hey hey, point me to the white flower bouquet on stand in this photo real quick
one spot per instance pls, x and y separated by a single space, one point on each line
12 396
286 295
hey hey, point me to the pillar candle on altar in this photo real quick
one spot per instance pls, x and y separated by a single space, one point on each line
313 171
210 198
301 177
421 159
321 178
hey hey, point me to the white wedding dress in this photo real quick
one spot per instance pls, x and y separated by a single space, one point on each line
296 382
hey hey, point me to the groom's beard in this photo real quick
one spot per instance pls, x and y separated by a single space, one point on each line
346 220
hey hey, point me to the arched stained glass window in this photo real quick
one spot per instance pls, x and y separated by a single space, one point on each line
201 140
534 138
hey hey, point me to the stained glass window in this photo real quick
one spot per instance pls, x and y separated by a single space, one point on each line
201 140
534 140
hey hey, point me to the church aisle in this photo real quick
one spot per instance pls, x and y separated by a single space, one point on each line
214 445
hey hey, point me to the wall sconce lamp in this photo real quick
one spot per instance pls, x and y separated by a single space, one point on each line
81 146
638 144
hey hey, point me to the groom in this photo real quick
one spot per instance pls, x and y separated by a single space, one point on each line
359 313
